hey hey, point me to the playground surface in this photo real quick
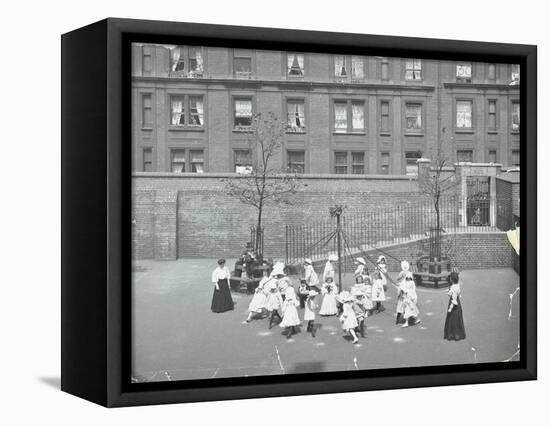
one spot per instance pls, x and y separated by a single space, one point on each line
175 336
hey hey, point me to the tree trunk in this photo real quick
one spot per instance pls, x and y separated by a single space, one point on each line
437 239
257 244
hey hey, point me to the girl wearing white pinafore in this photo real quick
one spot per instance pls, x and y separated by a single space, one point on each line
329 268
309 311
290 312
360 270
400 308
410 302
348 318
378 295
274 301
258 303
328 305
383 268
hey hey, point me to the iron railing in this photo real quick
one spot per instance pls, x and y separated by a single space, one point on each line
383 227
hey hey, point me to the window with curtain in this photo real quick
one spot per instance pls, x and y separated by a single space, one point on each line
492 115
177 160
340 117
186 61
296 117
295 65
413 116
341 163
243 112
196 111
147 159
340 66
177 59
358 115
464 71
515 116
243 161
195 61
357 163
464 114
492 156
197 161
413 69
296 161
515 73
177 110
357 67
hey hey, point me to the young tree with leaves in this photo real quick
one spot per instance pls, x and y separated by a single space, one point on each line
264 184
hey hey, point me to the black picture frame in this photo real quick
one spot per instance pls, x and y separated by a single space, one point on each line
96 263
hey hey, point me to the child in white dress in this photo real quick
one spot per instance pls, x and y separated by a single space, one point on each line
328 305
258 303
360 270
274 301
378 295
290 312
383 268
309 311
359 309
410 301
348 318
400 309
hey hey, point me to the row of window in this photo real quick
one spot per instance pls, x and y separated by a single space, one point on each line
187 61
187 111
345 162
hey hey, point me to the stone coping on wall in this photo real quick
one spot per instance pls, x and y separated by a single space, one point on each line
511 176
302 176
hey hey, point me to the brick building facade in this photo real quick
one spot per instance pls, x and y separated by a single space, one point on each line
346 114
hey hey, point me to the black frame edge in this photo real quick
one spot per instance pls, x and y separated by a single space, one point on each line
83 213
114 393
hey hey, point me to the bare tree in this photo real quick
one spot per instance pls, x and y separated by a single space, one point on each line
437 180
263 184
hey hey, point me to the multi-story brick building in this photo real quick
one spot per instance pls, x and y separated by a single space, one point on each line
346 114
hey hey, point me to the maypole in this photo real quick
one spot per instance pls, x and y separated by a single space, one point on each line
336 211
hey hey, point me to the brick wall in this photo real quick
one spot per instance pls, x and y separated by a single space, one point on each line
191 216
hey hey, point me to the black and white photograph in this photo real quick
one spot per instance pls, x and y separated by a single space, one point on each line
301 212
223 213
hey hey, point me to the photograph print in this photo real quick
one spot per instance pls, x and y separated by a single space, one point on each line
307 212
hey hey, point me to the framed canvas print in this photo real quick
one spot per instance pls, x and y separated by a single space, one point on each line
253 212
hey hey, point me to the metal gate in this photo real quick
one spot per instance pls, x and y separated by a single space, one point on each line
478 201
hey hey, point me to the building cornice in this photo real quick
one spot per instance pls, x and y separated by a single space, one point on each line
493 86
305 176
303 84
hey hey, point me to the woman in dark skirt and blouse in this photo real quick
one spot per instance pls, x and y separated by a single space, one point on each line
454 323
221 300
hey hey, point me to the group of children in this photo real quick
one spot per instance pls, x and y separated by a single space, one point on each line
276 296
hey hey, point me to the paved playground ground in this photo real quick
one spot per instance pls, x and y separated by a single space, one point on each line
175 336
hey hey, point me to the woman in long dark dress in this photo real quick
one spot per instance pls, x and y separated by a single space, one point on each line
221 299
454 323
